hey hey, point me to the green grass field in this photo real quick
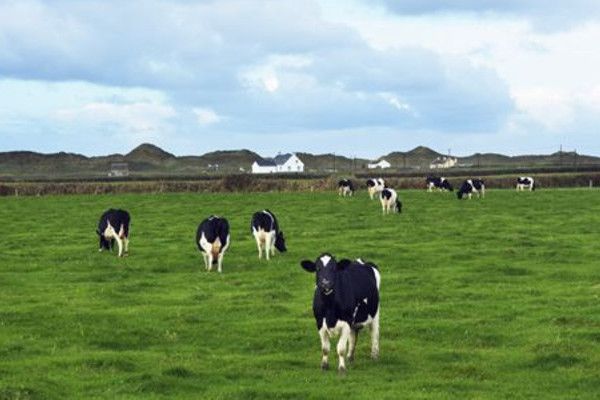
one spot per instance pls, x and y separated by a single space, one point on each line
498 298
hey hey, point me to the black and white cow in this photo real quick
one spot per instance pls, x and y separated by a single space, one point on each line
345 187
266 231
525 182
389 201
346 299
212 238
114 227
471 186
375 185
441 184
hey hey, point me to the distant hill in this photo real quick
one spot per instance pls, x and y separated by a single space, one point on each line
329 162
149 160
149 153
420 156
555 159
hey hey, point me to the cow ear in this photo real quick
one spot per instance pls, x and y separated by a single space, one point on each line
98 232
309 266
343 263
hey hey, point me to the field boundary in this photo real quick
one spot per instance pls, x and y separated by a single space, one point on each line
252 183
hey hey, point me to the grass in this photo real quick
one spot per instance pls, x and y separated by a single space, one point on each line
490 299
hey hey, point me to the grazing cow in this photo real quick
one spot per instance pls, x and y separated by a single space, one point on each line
346 299
345 187
471 186
212 239
525 182
375 185
266 231
442 184
389 201
114 227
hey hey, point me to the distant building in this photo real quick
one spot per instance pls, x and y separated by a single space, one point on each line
443 162
383 164
280 164
118 170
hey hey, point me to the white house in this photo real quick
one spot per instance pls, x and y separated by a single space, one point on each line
380 164
443 162
280 164
118 170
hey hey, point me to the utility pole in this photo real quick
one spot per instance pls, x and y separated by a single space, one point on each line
334 162
560 156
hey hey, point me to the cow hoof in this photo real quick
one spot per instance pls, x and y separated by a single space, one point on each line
342 371
375 356
350 358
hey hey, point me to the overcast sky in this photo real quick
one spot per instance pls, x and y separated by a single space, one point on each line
355 77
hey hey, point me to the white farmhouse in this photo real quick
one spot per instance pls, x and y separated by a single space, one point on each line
280 164
383 164
443 162
118 170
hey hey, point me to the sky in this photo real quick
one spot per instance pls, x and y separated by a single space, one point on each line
355 77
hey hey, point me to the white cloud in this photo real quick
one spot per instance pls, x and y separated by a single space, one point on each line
206 116
136 118
315 66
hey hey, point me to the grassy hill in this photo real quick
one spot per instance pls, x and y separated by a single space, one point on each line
150 160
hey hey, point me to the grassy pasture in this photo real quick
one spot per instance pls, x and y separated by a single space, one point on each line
498 298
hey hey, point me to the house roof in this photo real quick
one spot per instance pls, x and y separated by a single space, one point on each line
280 159
119 165
442 160
266 162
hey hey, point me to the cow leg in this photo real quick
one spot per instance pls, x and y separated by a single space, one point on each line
375 337
120 244
325 346
209 261
220 262
268 244
352 344
126 242
205 258
273 237
342 346
258 244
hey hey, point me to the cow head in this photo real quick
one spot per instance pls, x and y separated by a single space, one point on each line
325 268
459 194
280 242
104 244
448 186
